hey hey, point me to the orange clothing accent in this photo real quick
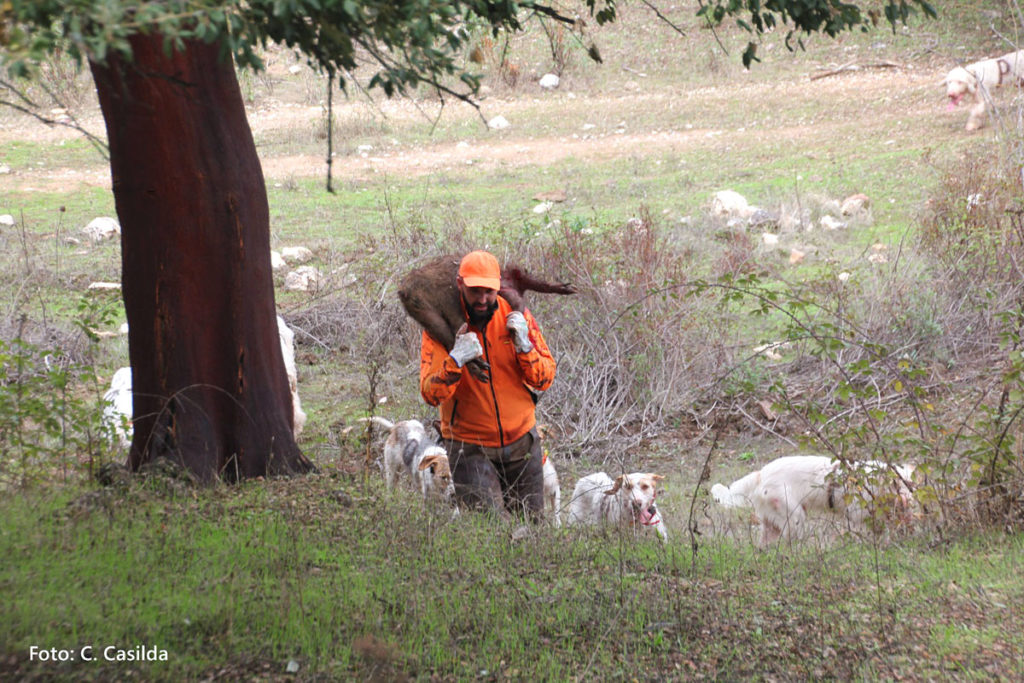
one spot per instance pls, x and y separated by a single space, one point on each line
490 414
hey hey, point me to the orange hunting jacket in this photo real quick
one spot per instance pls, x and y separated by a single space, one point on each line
487 414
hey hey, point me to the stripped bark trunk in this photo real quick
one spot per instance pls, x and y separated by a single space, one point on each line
210 388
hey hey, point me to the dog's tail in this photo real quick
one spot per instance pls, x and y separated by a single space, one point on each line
738 493
386 424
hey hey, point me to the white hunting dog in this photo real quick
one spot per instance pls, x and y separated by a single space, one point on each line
976 81
627 500
407 449
552 491
784 491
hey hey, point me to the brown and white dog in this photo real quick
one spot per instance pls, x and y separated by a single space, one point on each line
407 449
786 490
627 500
976 81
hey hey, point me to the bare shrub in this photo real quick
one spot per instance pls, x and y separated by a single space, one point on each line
738 256
920 358
633 350
493 55
65 82
969 226
560 45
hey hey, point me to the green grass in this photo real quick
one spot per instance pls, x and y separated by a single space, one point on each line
349 582
341 577
43 212
22 155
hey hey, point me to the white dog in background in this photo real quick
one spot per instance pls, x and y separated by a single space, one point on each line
407 449
784 491
287 339
117 408
976 81
552 491
627 500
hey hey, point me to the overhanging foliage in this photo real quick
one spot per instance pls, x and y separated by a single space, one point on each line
411 41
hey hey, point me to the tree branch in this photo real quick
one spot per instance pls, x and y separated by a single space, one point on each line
661 16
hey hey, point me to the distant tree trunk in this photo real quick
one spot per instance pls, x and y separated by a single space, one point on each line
210 389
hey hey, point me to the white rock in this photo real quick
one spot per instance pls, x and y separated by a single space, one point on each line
770 239
771 350
877 254
104 286
296 254
277 262
732 204
831 223
7 220
102 228
549 81
294 69
855 204
302 279
543 207
498 123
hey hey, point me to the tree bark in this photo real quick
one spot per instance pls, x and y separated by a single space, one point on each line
209 383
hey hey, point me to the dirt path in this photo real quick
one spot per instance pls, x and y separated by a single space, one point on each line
853 95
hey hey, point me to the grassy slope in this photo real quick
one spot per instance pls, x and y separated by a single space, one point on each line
242 581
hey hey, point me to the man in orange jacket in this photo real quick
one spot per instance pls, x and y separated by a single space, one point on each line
490 428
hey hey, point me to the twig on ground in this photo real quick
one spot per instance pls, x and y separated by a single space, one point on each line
765 427
854 66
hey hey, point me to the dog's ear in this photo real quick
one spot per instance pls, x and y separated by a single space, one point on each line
656 477
618 485
428 461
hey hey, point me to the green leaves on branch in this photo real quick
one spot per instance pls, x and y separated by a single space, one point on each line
410 41
830 17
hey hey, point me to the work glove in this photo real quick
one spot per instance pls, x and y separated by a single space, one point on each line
520 331
466 348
